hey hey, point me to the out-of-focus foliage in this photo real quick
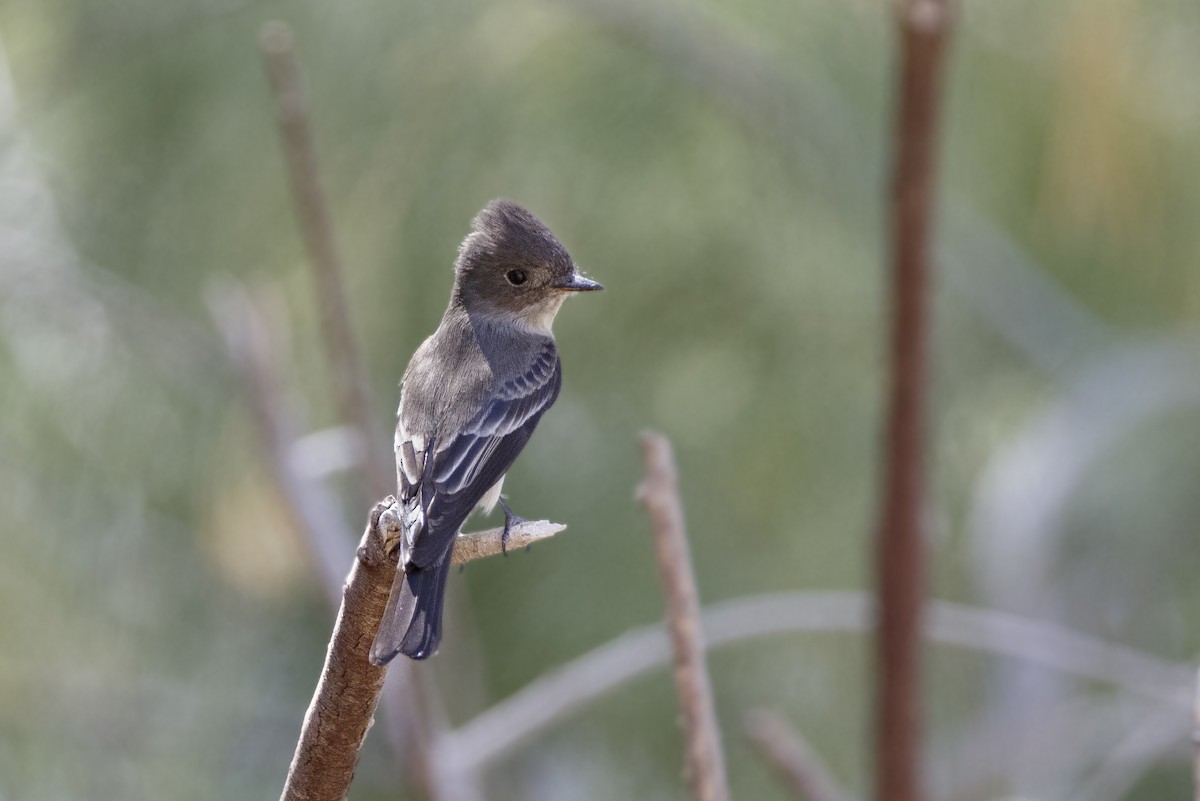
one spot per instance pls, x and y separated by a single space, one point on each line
721 168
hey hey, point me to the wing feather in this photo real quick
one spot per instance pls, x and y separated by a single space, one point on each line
449 478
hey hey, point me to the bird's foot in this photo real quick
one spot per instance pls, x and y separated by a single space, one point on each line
390 529
510 520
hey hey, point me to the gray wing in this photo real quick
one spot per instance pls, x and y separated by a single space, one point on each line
442 480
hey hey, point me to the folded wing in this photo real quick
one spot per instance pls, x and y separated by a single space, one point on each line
441 481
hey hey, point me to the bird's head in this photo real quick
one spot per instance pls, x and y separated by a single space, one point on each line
511 266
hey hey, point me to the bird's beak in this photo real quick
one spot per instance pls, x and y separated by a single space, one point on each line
577 283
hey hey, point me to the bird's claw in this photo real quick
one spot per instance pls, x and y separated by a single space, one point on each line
392 533
510 520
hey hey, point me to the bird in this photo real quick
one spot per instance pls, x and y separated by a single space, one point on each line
470 399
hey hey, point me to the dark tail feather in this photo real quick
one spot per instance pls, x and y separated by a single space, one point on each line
412 622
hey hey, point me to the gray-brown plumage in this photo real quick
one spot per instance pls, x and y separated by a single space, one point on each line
470 399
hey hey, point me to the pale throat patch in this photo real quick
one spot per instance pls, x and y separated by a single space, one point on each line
541 316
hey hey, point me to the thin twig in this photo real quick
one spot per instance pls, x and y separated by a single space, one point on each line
342 707
468 547
480 544
899 550
555 696
341 348
705 761
794 760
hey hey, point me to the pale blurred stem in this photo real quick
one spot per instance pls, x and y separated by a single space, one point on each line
793 759
900 550
705 761
495 734
350 686
1141 746
311 506
1196 737
341 348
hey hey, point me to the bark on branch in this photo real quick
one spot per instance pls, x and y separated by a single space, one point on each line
900 551
343 705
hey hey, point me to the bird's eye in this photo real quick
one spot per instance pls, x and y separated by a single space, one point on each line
515 277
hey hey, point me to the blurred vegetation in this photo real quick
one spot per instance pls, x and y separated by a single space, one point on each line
720 167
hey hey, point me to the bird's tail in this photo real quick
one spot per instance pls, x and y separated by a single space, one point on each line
412 622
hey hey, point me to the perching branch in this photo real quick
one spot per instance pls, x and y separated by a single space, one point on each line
342 707
341 348
899 550
705 760
794 760
481 544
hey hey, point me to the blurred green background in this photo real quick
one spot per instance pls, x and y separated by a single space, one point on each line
721 167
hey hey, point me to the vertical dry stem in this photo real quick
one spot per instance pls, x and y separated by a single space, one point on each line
900 552
705 760
349 378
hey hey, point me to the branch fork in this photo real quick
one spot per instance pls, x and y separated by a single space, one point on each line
343 707
470 546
